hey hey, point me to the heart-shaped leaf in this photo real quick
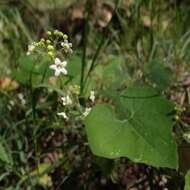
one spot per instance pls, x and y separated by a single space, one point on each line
145 135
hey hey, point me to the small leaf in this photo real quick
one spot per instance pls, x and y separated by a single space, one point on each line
4 156
43 178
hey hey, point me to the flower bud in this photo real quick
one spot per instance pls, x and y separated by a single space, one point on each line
50 48
65 37
49 33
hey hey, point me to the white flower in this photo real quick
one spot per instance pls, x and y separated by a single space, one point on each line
21 97
66 100
87 111
67 46
63 114
11 102
31 47
186 135
59 67
92 96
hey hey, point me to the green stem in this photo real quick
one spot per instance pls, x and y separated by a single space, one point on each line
44 73
93 63
103 41
85 40
33 102
151 27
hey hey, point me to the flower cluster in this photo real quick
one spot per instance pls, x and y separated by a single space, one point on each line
68 101
58 41
67 47
31 47
35 45
57 46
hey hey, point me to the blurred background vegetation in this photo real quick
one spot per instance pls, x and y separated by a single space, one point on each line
128 40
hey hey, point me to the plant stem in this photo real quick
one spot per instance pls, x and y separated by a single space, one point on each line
104 40
85 42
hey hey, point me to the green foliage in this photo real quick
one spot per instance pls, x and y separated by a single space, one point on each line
113 74
74 69
145 41
4 155
187 181
143 136
158 74
32 69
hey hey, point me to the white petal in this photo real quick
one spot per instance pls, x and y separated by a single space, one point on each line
87 111
63 100
54 67
64 63
57 61
63 114
31 47
28 53
69 101
92 96
57 72
66 100
64 71
70 51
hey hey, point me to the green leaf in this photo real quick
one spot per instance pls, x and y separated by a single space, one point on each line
158 74
43 178
113 74
27 63
10 188
21 76
4 156
144 135
74 66
34 64
187 181
32 68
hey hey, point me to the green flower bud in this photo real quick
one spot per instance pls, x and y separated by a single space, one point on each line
50 48
177 118
60 34
65 37
42 40
49 33
51 53
56 32
48 41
